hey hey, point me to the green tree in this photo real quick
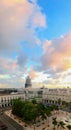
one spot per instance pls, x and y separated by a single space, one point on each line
61 124
34 101
29 111
42 110
48 113
54 122
17 107
69 127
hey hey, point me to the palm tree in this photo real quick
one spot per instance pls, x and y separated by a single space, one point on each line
61 124
48 114
69 127
54 122
48 120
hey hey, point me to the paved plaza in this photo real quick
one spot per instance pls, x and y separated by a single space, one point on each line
47 124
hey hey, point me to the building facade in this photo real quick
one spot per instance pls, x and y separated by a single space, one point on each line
48 96
6 100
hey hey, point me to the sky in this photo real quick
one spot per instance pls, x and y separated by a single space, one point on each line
35 40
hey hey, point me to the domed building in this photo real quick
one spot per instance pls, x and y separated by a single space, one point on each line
28 82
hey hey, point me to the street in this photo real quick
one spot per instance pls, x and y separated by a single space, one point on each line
12 125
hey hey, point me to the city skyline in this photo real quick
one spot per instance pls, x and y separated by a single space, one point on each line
35 40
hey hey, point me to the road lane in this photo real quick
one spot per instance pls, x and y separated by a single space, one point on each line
11 124
10 127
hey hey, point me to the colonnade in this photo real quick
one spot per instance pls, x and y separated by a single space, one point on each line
6 100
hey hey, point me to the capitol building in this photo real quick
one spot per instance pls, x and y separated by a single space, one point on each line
50 96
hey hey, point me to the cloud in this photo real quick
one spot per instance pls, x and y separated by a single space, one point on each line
39 20
46 45
22 60
33 74
12 71
37 77
57 54
8 65
41 78
18 22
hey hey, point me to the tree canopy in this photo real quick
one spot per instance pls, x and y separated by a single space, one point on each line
30 111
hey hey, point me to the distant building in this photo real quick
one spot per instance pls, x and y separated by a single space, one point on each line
28 82
46 95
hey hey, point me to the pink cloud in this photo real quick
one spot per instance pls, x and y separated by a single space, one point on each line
8 64
18 19
46 45
33 74
39 20
57 53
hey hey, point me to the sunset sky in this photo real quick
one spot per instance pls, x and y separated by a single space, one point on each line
35 40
